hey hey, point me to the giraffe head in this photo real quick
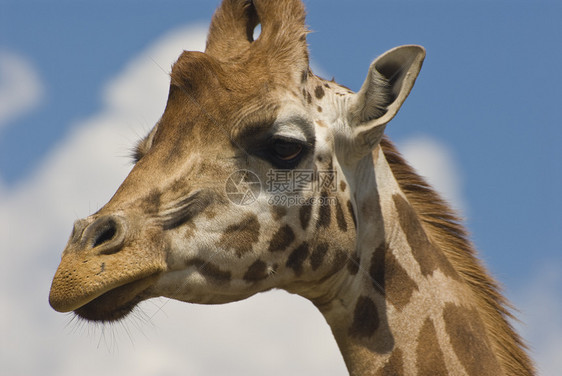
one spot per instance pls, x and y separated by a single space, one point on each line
249 181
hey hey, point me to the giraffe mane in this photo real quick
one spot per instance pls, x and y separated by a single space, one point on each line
444 227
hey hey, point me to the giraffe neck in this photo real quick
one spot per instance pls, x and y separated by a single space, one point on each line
404 310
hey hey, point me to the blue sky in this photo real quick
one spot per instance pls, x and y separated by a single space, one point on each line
488 102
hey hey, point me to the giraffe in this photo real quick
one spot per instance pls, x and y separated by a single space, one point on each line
262 175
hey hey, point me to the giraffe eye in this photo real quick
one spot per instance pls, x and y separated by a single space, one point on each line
287 151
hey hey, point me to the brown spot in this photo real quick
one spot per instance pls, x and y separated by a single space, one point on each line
319 92
390 278
278 212
340 217
430 358
178 186
394 365
324 211
338 262
326 85
189 230
240 236
210 213
305 213
304 76
281 239
319 109
343 186
302 38
469 340
151 203
352 213
308 97
353 264
365 318
317 256
256 272
429 257
377 269
210 271
297 258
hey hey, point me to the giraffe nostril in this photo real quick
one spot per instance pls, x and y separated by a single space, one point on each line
106 233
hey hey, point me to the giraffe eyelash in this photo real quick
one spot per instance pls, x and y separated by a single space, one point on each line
143 146
139 150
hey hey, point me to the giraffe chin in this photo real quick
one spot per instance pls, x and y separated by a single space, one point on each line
116 304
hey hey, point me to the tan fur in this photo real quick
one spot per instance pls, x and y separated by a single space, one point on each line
445 229
222 104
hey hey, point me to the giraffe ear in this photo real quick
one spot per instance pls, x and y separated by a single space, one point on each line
388 83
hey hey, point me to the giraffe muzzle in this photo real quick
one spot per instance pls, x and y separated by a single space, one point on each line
102 257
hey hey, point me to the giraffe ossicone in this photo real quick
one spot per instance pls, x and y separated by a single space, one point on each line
262 175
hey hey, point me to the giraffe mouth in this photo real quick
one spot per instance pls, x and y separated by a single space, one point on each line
117 303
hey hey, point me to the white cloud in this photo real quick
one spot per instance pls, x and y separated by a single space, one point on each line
436 162
273 333
540 303
21 88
